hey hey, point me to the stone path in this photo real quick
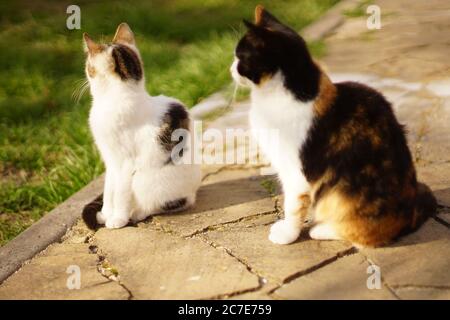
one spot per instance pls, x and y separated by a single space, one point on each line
219 249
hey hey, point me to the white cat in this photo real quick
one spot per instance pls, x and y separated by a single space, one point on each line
133 132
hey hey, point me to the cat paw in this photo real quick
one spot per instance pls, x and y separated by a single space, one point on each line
116 222
101 219
139 216
284 232
323 232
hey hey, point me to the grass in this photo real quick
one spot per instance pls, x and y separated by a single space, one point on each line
46 150
270 185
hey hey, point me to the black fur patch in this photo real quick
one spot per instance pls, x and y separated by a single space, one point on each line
127 63
89 213
272 46
174 205
176 118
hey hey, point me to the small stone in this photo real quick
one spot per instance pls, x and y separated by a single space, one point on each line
93 249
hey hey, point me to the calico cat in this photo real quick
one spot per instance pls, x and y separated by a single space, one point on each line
342 155
133 132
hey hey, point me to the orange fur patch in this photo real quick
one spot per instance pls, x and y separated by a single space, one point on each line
264 78
327 94
315 186
305 204
371 233
356 223
356 127
91 70
259 10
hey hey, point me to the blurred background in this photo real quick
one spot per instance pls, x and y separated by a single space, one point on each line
46 150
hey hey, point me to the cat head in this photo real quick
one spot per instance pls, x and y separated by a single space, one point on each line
115 62
269 47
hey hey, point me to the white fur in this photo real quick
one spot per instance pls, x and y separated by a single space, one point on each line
125 122
323 231
273 107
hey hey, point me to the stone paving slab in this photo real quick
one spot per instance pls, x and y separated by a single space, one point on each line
155 265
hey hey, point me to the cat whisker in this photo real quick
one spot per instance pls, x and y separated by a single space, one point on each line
78 83
83 91
80 90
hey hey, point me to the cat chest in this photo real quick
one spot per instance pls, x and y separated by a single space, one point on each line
290 125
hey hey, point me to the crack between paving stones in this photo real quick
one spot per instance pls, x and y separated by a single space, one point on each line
213 227
442 221
214 173
383 281
99 266
224 224
309 270
261 280
94 249
439 219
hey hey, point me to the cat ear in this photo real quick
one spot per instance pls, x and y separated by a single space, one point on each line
124 35
90 46
259 10
264 18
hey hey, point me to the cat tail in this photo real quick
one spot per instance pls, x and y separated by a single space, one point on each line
426 206
89 213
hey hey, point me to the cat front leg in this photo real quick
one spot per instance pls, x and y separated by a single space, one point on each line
108 198
296 206
123 197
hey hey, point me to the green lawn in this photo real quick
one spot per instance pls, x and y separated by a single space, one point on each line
46 151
